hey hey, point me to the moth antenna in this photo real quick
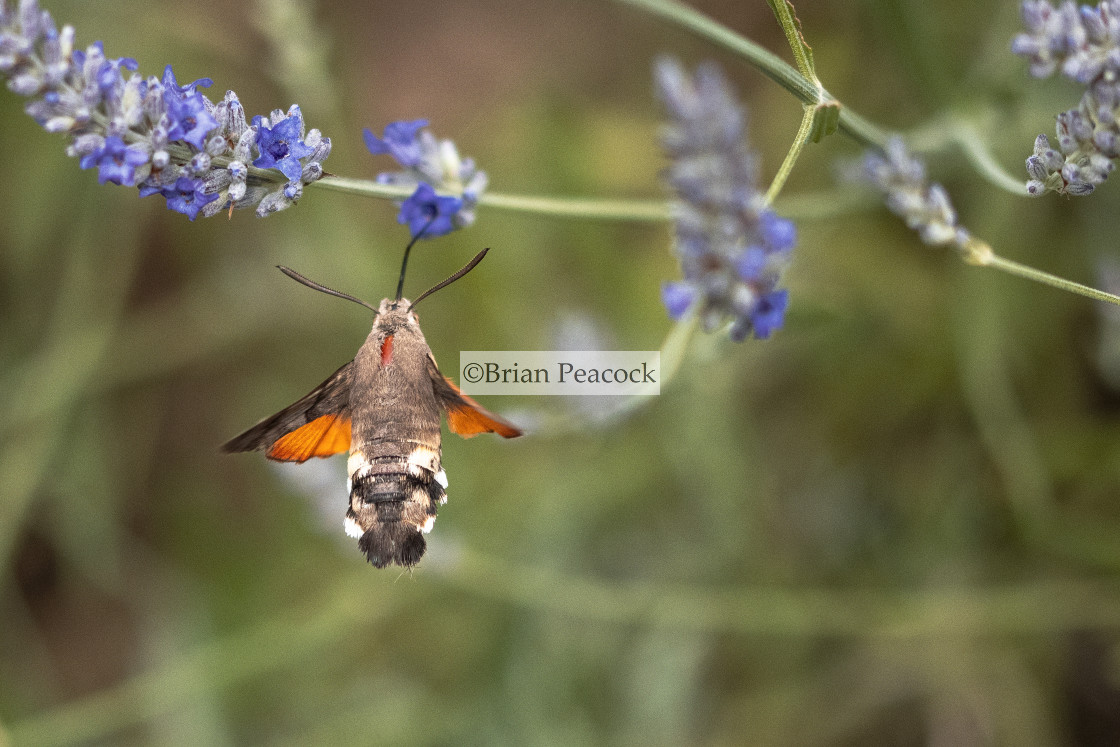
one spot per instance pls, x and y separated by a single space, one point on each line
407 249
467 268
329 291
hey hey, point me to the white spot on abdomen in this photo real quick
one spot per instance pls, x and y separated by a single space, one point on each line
424 457
356 461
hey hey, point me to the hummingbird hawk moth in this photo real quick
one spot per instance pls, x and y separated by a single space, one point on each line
384 408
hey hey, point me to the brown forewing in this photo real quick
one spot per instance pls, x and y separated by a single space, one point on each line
316 425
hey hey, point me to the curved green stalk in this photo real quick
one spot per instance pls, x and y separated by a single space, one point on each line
804 132
791 26
775 68
985 163
980 254
955 131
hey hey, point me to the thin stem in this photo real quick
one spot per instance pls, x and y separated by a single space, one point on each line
782 73
802 52
953 130
561 207
770 64
979 253
808 117
985 163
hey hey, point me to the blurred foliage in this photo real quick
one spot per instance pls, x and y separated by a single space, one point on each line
897 522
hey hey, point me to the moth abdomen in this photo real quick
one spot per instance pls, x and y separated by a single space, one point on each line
393 503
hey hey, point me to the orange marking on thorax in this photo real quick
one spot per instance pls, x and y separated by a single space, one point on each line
386 351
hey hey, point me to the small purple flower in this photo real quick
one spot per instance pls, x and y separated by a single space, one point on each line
281 146
191 122
425 207
751 264
116 162
108 77
677 298
172 85
779 233
399 141
1083 43
768 316
186 197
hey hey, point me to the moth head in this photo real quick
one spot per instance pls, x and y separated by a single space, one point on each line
394 315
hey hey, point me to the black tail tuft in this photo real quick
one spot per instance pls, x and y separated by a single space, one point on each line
392 511
393 542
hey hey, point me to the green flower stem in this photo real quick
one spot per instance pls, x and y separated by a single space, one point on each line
770 64
782 73
561 207
802 52
954 130
804 131
576 207
978 253
803 206
985 163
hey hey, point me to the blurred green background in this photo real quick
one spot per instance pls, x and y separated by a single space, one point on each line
897 522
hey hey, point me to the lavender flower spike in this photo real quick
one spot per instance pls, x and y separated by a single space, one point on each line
1084 44
732 248
152 133
430 162
925 207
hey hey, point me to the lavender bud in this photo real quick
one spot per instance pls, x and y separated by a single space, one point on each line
1035 168
216 145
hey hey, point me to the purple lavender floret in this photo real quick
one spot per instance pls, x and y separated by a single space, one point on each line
185 196
399 142
153 133
115 161
281 146
433 163
732 247
427 212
